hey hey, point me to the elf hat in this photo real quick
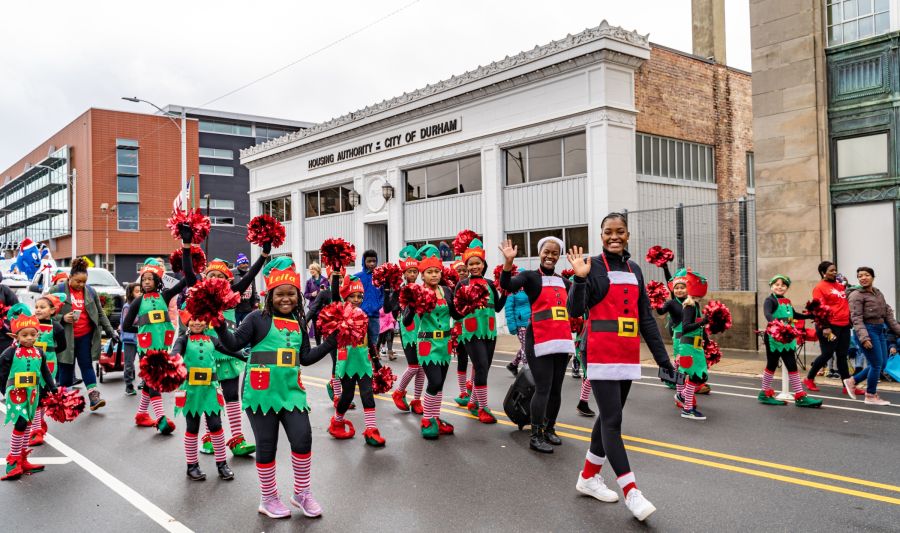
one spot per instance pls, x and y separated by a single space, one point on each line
680 278
56 299
408 258
782 277
457 262
280 271
429 257
20 317
696 285
59 277
154 267
475 249
219 265
349 285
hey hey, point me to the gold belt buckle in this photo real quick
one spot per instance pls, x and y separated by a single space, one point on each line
559 313
438 335
698 341
200 376
286 357
25 379
157 316
627 327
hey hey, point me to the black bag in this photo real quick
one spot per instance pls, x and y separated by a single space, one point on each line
671 376
517 403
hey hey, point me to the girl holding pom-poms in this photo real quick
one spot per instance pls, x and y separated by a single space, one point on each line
273 392
408 336
462 357
689 351
52 340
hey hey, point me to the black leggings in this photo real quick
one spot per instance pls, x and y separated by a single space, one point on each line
412 355
606 438
549 371
462 358
386 339
435 374
481 352
772 358
838 348
348 388
230 388
192 423
21 425
265 431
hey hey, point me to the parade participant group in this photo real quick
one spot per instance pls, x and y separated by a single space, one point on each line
598 309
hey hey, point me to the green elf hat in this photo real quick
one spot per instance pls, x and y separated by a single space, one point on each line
782 277
679 278
408 258
429 257
152 265
475 249
280 271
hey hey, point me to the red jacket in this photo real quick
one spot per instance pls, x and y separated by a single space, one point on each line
833 295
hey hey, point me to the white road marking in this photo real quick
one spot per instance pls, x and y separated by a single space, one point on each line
50 460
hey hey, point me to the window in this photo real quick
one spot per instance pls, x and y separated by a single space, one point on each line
128 217
852 20
216 153
670 158
127 188
217 170
279 208
328 201
751 177
126 157
527 241
862 156
544 160
226 128
225 205
221 221
444 179
264 134
313 257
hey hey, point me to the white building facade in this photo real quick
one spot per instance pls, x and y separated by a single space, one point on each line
542 143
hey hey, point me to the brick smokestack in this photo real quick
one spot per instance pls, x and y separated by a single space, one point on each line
708 29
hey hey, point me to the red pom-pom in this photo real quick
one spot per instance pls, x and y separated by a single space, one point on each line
819 311
350 323
418 298
209 298
388 275
462 241
264 229
497 270
337 253
712 352
470 297
719 317
657 293
455 332
198 259
577 324
163 372
199 223
568 273
449 277
659 256
383 380
782 332
64 405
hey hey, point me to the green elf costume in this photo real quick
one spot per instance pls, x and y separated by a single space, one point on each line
51 339
23 373
779 307
689 350
408 339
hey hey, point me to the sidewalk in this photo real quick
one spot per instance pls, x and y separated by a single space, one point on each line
734 362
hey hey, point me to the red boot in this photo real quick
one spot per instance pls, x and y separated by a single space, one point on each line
373 437
341 430
28 468
399 397
444 428
143 420
416 407
810 385
13 468
486 417
37 438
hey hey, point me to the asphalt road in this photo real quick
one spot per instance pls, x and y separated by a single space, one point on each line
748 468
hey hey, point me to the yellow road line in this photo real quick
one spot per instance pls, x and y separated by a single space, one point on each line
768 475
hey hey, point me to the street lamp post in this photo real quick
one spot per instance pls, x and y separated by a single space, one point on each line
182 127
106 209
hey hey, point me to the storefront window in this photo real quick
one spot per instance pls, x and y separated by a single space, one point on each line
279 208
443 179
546 160
862 156
328 201
851 20
527 241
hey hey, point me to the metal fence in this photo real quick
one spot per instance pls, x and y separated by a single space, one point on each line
717 240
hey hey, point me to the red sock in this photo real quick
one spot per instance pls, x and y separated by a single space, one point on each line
190 448
461 381
626 483
369 414
592 465
144 402
233 410
302 463
218 442
420 383
268 488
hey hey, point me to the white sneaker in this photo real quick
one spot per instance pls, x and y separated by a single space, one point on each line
595 487
873 399
850 387
639 506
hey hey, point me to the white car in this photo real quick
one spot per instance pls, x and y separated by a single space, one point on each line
112 295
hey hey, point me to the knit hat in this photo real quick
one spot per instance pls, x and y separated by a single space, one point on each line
457 262
154 267
242 260
26 243
696 285
429 257
59 276
349 285
20 317
782 277
475 249
56 299
219 265
280 271
408 258
680 277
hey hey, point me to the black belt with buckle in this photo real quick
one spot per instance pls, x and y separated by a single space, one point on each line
162 316
434 334
556 313
278 358
605 326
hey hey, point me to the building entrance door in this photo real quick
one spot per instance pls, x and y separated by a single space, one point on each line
377 239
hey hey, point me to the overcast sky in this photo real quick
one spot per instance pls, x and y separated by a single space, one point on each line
59 58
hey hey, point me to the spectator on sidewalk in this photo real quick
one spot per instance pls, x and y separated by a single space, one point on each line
315 285
249 298
869 312
518 314
129 341
373 300
834 336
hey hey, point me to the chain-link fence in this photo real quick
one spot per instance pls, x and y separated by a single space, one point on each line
716 240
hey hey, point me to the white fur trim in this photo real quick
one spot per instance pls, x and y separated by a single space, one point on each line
554 346
595 459
552 281
613 371
622 278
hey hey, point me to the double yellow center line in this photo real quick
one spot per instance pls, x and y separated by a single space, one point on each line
578 433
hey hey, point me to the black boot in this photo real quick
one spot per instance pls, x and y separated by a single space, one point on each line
224 471
513 368
537 442
194 472
551 437
584 409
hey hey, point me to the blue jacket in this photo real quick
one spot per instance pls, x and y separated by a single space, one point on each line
373 298
518 311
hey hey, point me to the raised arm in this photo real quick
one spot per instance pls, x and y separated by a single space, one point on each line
190 277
